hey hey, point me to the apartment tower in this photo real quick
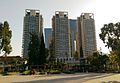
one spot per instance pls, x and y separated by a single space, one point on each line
33 23
61 36
86 39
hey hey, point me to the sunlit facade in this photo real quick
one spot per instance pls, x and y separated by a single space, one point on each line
61 36
86 35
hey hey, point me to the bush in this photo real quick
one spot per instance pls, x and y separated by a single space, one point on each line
55 72
4 73
27 72
68 72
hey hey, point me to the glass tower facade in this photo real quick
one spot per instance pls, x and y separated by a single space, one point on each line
61 36
86 35
73 31
33 23
47 32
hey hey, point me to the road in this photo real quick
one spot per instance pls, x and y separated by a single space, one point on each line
63 78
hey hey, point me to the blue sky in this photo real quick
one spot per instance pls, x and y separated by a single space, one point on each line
13 11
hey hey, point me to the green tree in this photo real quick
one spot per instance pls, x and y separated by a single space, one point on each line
98 61
42 56
113 62
5 38
110 35
93 61
47 53
36 51
16 64
33 49
51 51
76 55
103 60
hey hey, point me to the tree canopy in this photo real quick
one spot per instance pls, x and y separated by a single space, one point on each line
33 50
110 35
5 38
36 51
43 51
98 61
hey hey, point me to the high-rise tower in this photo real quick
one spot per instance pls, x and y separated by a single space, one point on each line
73 31
33 23
47 33
61 36
86 42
